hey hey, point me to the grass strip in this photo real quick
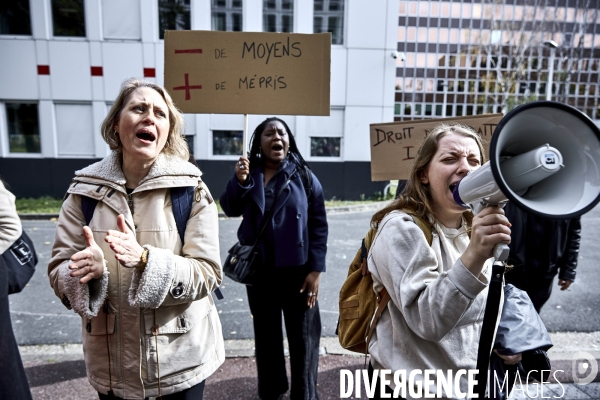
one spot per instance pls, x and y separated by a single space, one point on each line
50 205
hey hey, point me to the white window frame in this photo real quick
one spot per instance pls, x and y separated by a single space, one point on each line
223 157
344 20
4 141
93 130
229 11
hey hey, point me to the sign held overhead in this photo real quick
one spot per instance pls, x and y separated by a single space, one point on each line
248 72
394 144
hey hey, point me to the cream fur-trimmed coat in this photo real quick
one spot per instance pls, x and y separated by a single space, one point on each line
160 325
10 224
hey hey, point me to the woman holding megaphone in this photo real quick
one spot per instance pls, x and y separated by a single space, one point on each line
433 258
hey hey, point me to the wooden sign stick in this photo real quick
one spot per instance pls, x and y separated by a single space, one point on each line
245 151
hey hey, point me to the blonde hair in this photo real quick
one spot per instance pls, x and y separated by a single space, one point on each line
175 145
416 196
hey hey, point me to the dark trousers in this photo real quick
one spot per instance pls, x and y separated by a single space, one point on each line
277 291
13 381
538 287
193 393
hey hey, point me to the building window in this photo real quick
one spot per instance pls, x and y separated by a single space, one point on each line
325 146
23 128
278 15
227 15
329 17
74 130
173 15
121 19
227 143
68 18
14 18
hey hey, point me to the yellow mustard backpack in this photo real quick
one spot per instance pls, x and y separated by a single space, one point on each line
360 307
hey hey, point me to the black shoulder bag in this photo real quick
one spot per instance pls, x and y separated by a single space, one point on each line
239 264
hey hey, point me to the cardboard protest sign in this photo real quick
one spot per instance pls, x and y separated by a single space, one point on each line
248 72
394 144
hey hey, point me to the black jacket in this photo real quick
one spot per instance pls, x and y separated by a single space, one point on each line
543 246
13 381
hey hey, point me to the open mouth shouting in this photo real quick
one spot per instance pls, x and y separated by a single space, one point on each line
145 136
452 186
277 148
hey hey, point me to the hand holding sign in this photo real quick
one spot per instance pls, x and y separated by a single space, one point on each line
242 169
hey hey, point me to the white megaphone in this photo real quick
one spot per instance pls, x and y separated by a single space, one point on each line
545 158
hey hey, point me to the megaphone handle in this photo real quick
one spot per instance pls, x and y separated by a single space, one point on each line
500 252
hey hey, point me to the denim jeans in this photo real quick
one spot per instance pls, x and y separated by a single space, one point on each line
193 393
277 292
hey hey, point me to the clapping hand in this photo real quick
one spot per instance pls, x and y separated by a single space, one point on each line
89 263
123 242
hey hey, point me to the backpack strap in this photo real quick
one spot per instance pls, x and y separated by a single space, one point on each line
383 299
182 199
364 250
88 205
424 225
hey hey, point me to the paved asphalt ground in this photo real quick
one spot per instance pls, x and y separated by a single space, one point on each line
49 335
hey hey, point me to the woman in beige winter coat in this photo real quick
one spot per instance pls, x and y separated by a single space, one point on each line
150 326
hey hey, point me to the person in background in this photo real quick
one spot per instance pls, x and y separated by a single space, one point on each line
293 253
438 290
13 381
540 250
150 326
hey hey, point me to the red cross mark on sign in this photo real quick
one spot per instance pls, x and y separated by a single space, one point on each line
187 87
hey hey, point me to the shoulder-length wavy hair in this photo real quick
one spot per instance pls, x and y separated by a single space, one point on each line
175 145
256 151
416 196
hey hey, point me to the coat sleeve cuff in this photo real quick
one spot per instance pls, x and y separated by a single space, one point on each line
465 281
85 299
567 274
150 287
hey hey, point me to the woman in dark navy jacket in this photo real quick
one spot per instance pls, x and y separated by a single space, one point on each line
293 251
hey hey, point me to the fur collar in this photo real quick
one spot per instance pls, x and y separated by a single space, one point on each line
109 169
